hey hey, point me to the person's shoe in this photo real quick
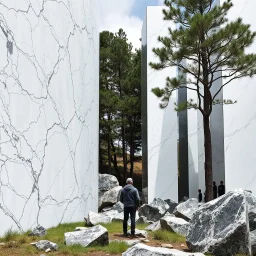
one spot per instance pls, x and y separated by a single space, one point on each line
125 234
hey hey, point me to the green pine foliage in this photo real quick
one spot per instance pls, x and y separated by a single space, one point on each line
120 111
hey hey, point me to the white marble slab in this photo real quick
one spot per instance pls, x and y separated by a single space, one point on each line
240 118
162 124
48 112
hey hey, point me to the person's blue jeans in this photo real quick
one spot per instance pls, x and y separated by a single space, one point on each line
132 212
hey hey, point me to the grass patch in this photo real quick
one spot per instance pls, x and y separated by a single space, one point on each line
168 236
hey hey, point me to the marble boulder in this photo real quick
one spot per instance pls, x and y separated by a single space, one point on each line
251 201
144 195
174 224
154 211
46 245
38 231
172 205
253 241
186 209
145 250
96 218
154 226
110 197
96 235
107 182
118 206
221 227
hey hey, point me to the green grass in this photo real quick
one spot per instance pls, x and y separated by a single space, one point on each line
168 236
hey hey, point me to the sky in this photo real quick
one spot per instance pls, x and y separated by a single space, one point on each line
126 14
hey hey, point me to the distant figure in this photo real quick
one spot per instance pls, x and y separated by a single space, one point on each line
214 187
221 189
130 198
200 196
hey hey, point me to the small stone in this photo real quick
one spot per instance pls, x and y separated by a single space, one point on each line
146 241
183 245
48 250
45 244
1 244
167 246
38 231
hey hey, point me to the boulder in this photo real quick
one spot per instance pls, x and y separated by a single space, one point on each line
96 235
140 233
144 196
154 226
118 207
109 208
145 250
107 182
186 209
172 205
110 197
253 241
221 227
251 201
38 231
174 224
142 220
46 245
154 211
114 215
96 218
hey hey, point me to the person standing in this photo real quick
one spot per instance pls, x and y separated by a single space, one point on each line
131 199
200 196
221 189
214 190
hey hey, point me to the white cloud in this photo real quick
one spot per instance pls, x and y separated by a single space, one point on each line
115 14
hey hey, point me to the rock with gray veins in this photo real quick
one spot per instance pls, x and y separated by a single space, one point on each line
140 233
45 245
154 211
251 201
118 207
114 215
110 197
144 196
38 231
107 182
154 226
96 235
171 204
145 250
142 220
221 227
174 224
186 209
253 241
96 218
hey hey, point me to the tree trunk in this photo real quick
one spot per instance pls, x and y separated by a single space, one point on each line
208 158
131 148
124 153
115 160
109 146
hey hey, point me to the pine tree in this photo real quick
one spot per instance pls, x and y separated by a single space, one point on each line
207 47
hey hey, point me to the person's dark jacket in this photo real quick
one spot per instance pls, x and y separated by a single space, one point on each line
130 196
200 197
221 190
214 191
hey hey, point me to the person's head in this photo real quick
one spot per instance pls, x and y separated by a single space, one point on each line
221 183
129 181
214 183
199 190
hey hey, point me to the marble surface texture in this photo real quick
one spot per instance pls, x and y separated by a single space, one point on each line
240 118
48 112
162 127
